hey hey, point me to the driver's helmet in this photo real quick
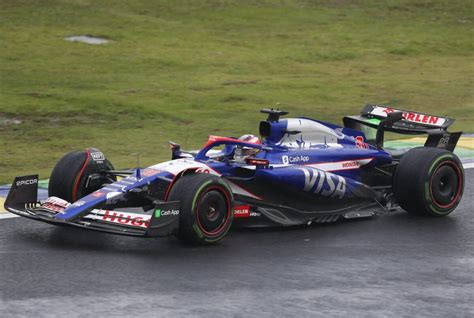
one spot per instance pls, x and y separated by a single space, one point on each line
244 152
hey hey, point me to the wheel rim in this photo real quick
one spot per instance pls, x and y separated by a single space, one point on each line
446 185
213 211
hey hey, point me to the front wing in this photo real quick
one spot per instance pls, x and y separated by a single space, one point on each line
161 220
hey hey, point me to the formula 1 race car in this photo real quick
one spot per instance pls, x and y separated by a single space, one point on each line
303 171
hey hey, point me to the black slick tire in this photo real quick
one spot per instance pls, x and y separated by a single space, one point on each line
69 176
429 181
206 208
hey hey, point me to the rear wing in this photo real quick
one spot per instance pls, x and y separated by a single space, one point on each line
385 118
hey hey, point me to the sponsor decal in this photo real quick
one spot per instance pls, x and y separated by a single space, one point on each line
410 116
119 217
97 194
140 220
202 170
341 165
350 164
97 156
324 183
360 143
55 204
159 212
294 159
242 211
444 141
26 182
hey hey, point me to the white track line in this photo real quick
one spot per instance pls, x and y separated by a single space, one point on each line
469 165
8 215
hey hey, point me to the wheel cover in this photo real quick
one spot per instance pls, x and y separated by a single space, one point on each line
446 185
213 211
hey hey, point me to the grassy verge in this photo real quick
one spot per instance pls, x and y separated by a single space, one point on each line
181 70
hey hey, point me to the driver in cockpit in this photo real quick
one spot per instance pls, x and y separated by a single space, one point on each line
242 152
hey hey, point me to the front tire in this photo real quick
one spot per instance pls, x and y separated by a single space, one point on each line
69 176
429 181
206 208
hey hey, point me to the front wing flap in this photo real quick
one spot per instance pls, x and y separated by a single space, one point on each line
161 220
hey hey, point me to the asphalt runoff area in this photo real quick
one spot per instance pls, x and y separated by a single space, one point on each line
391 265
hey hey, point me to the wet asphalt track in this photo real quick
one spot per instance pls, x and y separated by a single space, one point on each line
392 265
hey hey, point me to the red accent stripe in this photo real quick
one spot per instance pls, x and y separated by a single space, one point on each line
458 172
229 211
170 186
175 178
76 184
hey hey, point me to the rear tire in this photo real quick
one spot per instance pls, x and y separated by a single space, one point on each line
429 181
206 208
69 176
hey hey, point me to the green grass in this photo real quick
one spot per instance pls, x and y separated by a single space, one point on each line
181 70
